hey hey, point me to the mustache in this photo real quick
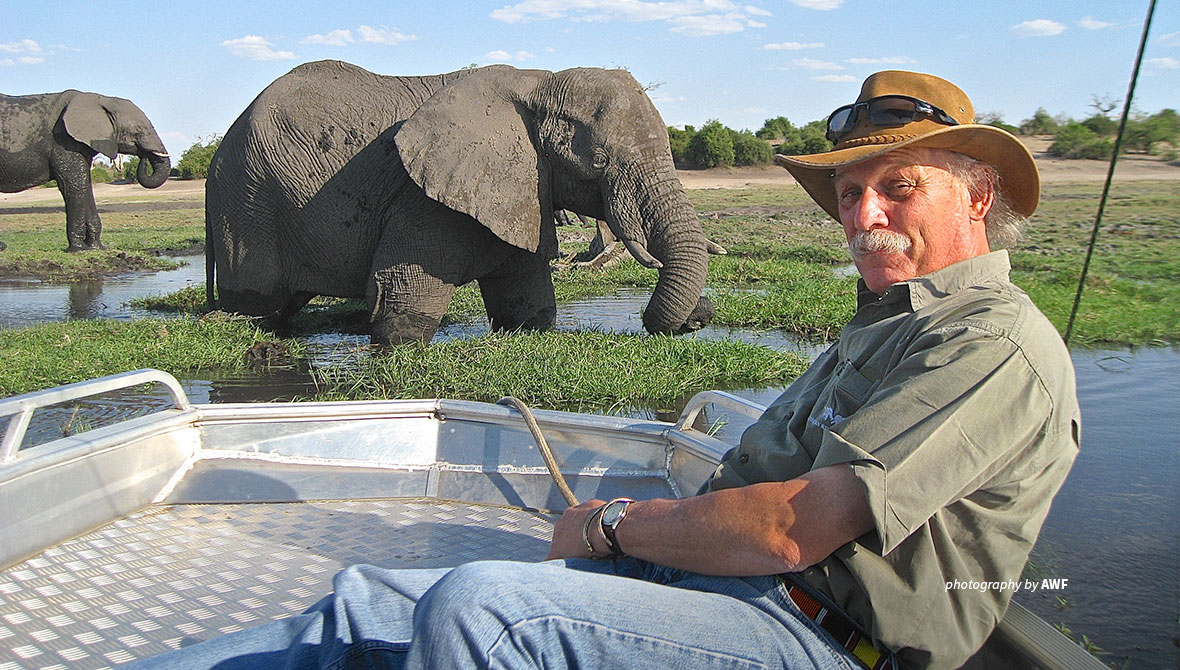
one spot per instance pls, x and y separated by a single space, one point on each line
870 241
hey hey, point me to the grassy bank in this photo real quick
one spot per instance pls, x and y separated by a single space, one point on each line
585 371
134 239
60 353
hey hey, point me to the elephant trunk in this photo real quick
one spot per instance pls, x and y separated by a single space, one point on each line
669 233
160 165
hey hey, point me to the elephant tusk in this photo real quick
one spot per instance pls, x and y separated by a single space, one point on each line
640 253
715 249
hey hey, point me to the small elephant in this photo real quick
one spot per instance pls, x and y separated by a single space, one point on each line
337 181
57 135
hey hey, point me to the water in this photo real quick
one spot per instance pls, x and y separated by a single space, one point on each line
1113 531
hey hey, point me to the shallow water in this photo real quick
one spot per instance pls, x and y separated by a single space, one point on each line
1113 531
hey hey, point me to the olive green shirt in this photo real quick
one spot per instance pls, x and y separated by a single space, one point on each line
952 398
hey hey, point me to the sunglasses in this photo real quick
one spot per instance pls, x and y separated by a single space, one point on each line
886 111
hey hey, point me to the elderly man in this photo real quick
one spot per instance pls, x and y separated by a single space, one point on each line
920 451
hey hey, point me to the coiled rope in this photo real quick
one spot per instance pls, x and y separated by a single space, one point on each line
543 446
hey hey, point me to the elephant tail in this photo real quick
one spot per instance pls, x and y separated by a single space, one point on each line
210 262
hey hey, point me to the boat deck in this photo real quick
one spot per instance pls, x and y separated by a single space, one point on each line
170 575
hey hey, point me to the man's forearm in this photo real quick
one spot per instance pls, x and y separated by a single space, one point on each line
764 528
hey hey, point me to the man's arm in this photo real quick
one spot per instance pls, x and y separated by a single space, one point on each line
761 529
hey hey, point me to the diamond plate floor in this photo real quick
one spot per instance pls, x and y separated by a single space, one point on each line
168 576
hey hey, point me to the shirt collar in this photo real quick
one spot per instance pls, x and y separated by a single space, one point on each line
926 289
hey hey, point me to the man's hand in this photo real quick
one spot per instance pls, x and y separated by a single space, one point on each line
567 533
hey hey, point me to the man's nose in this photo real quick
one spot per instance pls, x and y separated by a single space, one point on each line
870 211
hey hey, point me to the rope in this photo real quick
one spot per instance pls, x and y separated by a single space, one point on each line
546 453
1118 141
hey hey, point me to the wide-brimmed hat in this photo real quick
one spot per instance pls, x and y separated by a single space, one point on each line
866 140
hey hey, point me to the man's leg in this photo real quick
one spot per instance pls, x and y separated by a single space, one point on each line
365 623
518 615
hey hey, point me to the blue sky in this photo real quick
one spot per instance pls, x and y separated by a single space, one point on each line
193 67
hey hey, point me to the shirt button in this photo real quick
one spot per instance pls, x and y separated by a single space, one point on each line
743 459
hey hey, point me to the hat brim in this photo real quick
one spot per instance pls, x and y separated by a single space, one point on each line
1018 171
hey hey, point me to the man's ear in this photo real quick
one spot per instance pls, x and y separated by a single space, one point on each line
983 196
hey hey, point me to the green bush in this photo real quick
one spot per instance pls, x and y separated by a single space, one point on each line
1040 124
1075 140
194 162
100 174
749 150
810 139
1144 132
130 167
777 128
1102 125
678 140
712 146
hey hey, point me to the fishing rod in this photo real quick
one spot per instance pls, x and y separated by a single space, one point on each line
1118 141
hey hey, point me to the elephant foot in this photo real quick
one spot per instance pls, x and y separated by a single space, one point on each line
74 248
3 246
403 328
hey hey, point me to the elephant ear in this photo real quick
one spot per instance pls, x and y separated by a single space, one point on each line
469 147
87 120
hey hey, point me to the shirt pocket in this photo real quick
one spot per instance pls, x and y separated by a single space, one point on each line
852 388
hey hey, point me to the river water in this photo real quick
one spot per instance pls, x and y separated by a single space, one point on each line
1113 533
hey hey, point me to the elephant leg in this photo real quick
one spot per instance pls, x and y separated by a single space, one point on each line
520 295
407 304
72 172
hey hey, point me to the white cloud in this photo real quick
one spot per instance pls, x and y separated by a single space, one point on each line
836 78
501 56
254 47
1091 23
886 60
1038 28
21 47
383 36
792 46
23 60
812 64
1165 63
1169 39
822 5
690 17
336 38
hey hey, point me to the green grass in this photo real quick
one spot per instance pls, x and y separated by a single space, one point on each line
60 353
584 371
36 243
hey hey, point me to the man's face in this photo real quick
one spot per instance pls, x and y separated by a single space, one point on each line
905 215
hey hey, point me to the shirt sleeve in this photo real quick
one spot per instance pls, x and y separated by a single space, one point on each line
960 404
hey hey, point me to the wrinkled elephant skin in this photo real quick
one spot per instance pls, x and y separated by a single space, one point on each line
337 181
57 135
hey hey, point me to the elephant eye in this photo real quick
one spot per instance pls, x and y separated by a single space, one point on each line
599 160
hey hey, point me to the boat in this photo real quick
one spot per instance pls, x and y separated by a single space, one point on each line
133 539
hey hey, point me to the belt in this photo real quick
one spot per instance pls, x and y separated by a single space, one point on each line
847 633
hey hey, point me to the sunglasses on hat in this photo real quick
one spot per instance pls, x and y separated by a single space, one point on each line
886 111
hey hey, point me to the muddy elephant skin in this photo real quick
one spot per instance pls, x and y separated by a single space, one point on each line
340 182
57 135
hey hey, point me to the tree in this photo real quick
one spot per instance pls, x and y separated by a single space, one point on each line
712 146
1040 124
750 150
678 140
1075 140
194 162
777 128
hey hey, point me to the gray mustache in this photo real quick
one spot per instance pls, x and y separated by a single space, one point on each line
869 241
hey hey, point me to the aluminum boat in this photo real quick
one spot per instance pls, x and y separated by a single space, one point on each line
133 539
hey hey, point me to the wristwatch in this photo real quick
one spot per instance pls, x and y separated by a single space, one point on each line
612 515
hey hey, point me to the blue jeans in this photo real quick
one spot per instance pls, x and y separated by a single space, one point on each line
558 614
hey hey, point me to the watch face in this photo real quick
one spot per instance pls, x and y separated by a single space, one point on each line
613 513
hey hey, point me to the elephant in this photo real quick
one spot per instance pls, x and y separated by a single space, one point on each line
57 135
337 181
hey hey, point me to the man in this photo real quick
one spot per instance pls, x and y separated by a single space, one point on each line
921 450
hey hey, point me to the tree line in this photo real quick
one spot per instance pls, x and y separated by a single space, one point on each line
715 145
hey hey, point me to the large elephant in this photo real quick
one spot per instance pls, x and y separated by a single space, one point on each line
337 181
57 135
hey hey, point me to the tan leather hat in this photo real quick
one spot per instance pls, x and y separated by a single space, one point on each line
866 140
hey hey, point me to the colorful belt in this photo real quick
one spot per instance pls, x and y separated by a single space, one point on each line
840 627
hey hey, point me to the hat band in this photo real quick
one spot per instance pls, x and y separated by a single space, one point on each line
873 139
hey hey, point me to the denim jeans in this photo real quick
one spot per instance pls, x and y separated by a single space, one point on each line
574 613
